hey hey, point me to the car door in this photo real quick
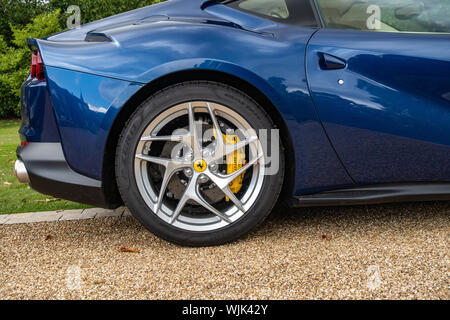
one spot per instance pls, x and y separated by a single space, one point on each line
384 95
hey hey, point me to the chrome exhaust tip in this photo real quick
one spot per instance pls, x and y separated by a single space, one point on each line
21 172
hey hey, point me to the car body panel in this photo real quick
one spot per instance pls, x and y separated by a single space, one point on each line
390 120
38 119
188 7
141 53
85 107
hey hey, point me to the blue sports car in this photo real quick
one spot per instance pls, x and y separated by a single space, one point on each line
201 116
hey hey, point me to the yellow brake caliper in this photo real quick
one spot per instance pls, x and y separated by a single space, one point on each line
235 162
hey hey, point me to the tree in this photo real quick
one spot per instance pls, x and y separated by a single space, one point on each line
18 13
15 59
21 19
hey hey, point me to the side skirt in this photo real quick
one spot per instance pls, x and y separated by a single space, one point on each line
376 194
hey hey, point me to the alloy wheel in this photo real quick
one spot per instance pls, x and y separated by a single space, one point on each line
182 166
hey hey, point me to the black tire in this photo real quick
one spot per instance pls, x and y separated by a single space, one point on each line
151 108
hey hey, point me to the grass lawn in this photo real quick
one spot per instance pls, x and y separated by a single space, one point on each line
14 196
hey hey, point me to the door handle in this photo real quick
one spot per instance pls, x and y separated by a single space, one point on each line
329 62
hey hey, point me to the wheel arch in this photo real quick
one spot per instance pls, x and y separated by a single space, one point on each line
108 174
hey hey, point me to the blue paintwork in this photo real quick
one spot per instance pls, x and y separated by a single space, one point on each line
85 106
90 82
390 121
143 52
38 120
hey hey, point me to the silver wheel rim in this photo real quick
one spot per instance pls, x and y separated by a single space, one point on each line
177 215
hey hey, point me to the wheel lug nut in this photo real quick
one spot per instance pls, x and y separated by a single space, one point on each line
213 167
188 172
203 179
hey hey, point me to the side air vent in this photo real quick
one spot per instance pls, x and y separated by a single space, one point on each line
97 37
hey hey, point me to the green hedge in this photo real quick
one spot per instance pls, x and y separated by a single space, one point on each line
22 19
15 59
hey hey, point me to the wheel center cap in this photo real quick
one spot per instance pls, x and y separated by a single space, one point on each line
200 165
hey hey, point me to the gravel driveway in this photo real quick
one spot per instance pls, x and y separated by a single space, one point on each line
396 251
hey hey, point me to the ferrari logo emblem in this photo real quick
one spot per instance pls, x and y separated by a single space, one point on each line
200 165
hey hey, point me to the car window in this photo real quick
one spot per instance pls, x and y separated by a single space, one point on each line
294 12
271 8
386 15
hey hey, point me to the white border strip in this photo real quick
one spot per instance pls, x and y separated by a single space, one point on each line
67 215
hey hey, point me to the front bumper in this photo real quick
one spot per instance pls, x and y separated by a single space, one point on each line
45 168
